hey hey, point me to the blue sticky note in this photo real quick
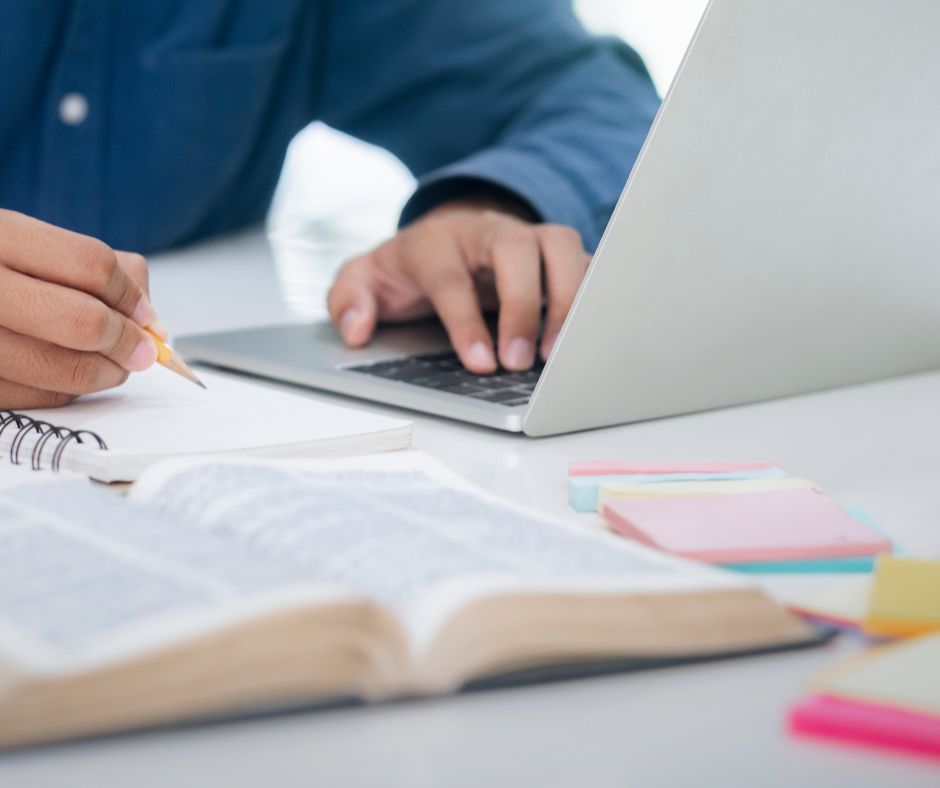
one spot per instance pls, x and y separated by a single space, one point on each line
582 490
860 563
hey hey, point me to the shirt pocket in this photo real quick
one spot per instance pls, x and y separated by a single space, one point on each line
222 29
202 116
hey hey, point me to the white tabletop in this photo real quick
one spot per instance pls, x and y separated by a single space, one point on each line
875 446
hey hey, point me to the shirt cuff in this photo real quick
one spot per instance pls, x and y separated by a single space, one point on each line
518 175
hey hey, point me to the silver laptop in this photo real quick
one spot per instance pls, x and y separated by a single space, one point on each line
780 233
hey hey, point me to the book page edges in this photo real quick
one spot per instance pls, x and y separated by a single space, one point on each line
353 649
123 466
307 654
485 638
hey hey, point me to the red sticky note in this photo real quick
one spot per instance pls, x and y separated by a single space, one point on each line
771 526
615 468
866 723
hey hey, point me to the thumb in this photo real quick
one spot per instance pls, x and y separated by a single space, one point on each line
352 302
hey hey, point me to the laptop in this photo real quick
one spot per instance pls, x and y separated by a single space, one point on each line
779 234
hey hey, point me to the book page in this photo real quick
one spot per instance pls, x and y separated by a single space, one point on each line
86 574
401 530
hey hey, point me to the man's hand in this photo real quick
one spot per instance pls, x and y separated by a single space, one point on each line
458 260
71 314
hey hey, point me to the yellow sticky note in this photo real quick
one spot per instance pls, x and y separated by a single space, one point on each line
626 489
903 675
905 597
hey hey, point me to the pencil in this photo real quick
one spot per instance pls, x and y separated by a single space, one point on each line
167 358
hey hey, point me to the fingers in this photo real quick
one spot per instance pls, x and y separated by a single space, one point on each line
517 266
53 254
135 266
352 302
449 261
71 314
73 320
436 263
36 364
18 397
565 264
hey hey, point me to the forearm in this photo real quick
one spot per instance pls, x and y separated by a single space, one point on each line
567 153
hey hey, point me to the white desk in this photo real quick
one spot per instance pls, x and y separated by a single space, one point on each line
876 446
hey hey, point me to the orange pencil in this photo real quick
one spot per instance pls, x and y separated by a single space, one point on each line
167 358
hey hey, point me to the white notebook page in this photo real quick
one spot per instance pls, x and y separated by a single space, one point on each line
158 414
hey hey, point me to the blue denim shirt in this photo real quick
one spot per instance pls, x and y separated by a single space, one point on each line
191 105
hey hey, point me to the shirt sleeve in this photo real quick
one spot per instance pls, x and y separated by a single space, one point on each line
497 96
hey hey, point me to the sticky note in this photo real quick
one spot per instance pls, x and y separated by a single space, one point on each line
841 565
806 566
844 604
617 468
905 675
905 598
583 490
610 492
734 528
867 724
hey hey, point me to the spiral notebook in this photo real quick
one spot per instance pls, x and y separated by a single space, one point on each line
115 435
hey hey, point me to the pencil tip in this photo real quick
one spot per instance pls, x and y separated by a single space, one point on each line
176 364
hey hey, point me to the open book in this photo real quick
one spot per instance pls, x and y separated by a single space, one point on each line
222 586
114 435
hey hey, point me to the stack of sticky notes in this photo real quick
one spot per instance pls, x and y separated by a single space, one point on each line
750 517
905 598
590 484
889 696
900 599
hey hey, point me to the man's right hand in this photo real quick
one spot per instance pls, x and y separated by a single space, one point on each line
72 312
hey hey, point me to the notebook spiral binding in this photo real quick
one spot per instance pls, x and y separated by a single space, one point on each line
49 435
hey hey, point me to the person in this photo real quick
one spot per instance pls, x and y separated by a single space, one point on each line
143 126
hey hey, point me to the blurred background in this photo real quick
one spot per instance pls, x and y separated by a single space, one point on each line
338 196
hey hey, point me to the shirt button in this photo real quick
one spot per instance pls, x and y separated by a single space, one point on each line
73 109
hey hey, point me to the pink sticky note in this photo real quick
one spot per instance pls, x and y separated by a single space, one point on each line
615 468
770 526
866 723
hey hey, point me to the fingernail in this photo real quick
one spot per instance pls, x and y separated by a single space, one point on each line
548 342
143 314
143 357
480 357
348 321
519 354
159 329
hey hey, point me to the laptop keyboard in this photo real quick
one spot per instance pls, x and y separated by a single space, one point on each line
444 372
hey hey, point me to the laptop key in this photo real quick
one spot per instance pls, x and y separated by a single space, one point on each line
494 383
466 389
443 380
403 372
526 376
447 365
